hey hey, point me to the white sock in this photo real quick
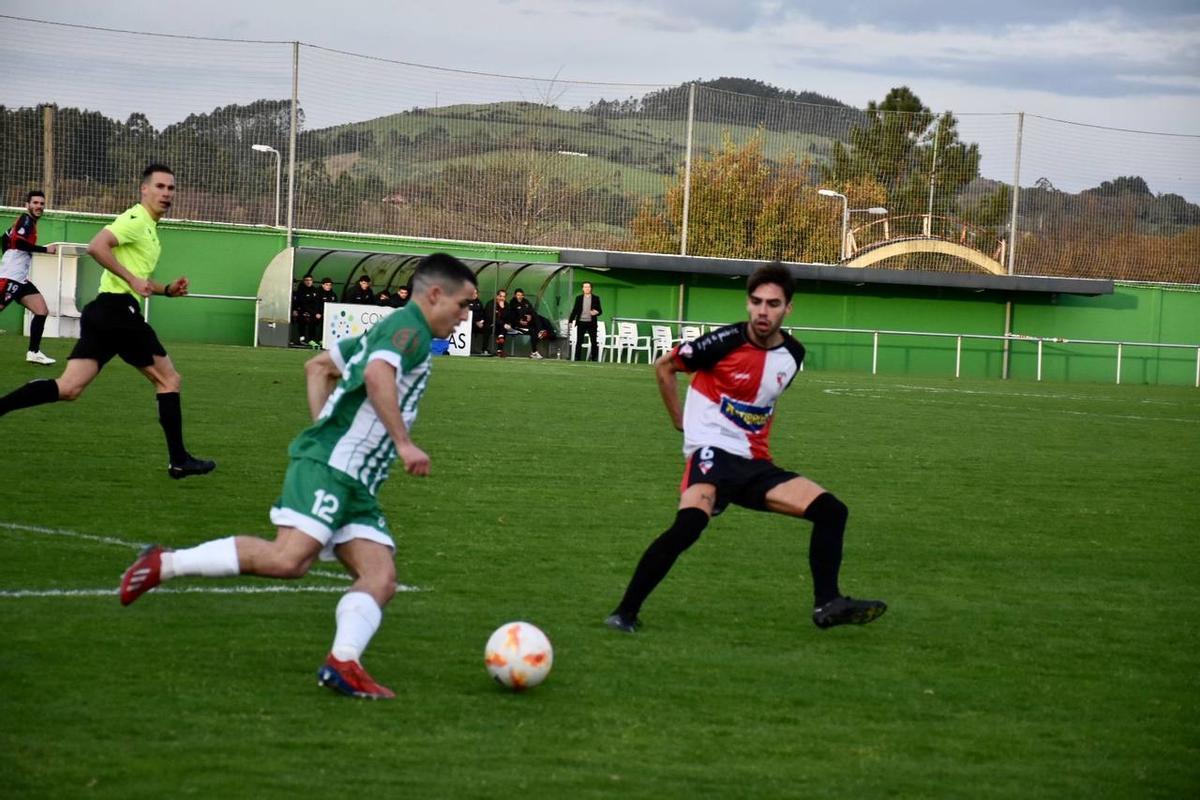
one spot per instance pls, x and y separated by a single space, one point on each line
215 559
358 617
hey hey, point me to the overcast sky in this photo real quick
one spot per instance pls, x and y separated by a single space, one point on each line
1123 64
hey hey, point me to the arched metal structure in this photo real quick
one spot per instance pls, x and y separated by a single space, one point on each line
874 255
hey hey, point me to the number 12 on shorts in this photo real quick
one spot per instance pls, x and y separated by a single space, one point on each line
325 505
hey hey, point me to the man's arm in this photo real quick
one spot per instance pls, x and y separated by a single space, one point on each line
320 376
380 378
665 370
101 249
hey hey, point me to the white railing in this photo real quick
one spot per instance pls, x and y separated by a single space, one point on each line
875 335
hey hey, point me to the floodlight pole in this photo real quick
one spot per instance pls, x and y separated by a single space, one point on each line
846 212
263 148
845 218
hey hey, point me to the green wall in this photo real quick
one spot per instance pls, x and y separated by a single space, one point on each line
227 259
1135 312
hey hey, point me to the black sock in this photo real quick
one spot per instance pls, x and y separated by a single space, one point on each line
171 418
659 557
34 393
828 515
35 333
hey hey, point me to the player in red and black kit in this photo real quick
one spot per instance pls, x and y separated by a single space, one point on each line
739 372
20 243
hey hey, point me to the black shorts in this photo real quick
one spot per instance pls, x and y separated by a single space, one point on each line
113 325
12 291
742 481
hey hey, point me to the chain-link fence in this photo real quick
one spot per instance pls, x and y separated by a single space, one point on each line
730 168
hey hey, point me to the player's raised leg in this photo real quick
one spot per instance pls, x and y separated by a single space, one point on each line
289 555
801 497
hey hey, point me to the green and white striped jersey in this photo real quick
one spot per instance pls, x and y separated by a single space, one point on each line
348 435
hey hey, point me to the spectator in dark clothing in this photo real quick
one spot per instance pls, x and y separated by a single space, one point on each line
306 312
328 295
495 324
384 298
524 321
583 316
401 298
362 293
478 345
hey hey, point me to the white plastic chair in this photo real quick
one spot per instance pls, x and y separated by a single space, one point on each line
689 333
604 342
660 341
630 343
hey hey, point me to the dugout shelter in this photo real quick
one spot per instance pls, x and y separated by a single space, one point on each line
549 286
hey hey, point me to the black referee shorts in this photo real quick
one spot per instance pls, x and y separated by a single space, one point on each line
741 481
113 325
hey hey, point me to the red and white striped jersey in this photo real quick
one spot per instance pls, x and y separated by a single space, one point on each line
735 384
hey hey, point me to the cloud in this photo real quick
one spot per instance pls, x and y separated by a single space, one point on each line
1074 58
897 15
1106 50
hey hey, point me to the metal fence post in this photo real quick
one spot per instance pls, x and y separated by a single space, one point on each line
687 170
1016 194
292 142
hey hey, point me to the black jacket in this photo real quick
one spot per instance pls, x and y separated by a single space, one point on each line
520 314
577 311
306 299
362 296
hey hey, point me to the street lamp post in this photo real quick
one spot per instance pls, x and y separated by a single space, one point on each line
264 148
846 212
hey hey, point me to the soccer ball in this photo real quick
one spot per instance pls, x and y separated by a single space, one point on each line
518 655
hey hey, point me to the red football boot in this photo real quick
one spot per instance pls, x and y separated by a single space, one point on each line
143 575
349 678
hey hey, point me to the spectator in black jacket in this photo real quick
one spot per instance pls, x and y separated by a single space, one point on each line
306 312
495 323
362 294
524 321
478 345
583 316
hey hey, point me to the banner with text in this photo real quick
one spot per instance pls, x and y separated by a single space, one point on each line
345 320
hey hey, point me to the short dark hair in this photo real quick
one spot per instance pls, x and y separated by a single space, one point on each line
442 269
326 280
32 193
156 167
362 278
775 273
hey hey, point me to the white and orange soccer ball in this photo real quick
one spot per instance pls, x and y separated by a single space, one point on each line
518 655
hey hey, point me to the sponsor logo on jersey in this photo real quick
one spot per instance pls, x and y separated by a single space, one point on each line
779 378
746 416
705 466
685 350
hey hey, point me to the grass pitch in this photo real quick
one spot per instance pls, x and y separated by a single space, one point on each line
1037 544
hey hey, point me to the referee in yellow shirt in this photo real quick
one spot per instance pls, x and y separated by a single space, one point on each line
113 325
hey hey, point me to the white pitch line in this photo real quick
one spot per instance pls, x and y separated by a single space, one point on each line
21 593
314 573
73 534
